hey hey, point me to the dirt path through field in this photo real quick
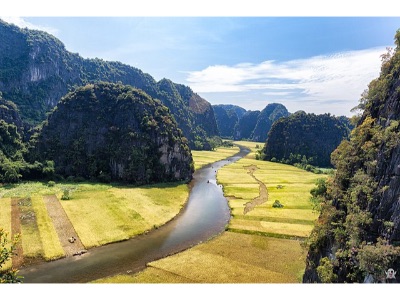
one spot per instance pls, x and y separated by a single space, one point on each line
63 226
18 259
263 196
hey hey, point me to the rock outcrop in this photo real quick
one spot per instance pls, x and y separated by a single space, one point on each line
236 123
9 113
309 135
271 113
114 132
357 236
36 71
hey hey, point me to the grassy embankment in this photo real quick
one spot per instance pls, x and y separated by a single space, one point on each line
262 246
100 213
202 158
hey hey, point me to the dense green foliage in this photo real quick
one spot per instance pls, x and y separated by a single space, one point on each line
244 128
226 118
14 164
7 248
113 132
236 123
11 153
271 113
36 71
358 232
9 113
305 139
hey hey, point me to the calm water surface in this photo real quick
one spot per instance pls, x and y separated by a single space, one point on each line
205 215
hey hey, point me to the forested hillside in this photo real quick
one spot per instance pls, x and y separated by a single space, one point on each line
36 71
357 236
113 132
236 123
271 113
305 138
227 116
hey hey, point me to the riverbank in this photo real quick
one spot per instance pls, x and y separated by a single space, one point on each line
205 215
97 214
260 246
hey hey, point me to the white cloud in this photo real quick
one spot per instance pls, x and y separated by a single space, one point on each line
20 22
323 80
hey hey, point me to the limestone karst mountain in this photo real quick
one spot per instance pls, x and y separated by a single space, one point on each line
36 70
114 132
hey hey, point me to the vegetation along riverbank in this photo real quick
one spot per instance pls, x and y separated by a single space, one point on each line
271 237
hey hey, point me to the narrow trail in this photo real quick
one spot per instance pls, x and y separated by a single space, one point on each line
263 191
63 226
18 258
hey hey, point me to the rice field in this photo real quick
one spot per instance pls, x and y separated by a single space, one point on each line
261 246
51 247
5 222
202 158
31 241
229 258
118 213
100 213
287 184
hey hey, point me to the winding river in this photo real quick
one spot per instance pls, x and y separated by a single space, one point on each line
205 215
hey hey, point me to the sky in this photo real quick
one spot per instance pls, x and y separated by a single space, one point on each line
319 64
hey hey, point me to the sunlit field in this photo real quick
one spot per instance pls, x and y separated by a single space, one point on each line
202 158
5 222
118 213
253 146
100 213
287 184
51 247
229 258
262 246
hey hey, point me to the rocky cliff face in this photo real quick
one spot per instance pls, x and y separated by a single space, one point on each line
309 135
357 235
237 123
9 113
36 71
245 126
271 113
226 118
114 132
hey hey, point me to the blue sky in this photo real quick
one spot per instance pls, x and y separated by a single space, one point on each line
316 64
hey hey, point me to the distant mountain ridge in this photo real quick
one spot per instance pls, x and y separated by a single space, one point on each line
237 123
36 71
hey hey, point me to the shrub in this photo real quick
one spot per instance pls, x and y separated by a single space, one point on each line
325 271
277 204
51 183
66 195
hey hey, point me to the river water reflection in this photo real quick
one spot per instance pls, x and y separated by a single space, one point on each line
205 215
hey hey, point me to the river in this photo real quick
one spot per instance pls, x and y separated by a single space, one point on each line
205 215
